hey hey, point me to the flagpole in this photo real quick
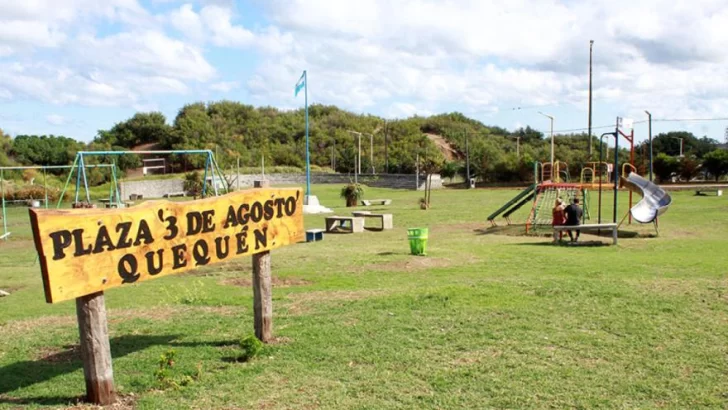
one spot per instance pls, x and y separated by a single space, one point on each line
308 161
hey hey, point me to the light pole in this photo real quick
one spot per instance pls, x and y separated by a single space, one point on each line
371 153
649 122
681 145
591 45
552 139
518 145
357 165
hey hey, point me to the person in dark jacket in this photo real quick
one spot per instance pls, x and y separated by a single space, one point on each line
573 218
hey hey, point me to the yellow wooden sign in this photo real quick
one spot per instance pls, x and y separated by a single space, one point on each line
83 251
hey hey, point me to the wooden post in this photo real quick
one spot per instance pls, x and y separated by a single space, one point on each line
262 297
95 349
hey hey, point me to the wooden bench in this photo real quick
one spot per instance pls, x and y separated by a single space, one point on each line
590 227
314 235
386 219
370 202
336 224
171 194
703 191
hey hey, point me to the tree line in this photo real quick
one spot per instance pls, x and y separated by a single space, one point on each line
240 133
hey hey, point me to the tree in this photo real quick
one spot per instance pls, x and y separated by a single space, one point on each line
431 160
689 168
665 166
142 128
45 150
6 144
716 163
450 169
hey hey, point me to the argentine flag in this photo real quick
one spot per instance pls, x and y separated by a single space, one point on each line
300 84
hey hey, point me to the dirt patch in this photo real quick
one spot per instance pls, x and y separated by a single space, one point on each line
125 402
277 282
448 151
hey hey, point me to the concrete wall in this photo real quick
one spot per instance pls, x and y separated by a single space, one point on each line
157 188
150 188
396 181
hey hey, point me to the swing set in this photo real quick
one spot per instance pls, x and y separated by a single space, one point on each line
80 166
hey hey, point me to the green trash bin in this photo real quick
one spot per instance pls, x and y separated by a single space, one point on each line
417 240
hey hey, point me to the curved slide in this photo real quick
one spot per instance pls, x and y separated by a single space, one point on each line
655 200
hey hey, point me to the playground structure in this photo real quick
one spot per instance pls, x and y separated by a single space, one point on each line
552 181
211 173
79 164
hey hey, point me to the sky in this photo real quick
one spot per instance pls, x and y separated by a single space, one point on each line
73 67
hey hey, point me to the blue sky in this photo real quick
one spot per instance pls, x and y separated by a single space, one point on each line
72 67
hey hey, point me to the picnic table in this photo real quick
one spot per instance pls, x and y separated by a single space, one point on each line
370 202
344 224
386 219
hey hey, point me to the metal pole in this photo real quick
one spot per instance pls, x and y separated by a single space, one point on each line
204 177
591 45
45 187
552 148
308 159
649 121
85 180
371 153
616 171
386 148
358 136
599 211
467 160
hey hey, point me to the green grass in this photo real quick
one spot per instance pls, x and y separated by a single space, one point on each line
484 321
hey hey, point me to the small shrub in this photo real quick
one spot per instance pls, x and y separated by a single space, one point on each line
352 193
250 346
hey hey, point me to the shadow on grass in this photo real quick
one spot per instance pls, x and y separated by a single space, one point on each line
542 232
26 373
567 244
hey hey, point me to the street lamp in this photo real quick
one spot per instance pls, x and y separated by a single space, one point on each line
552 139
357 166
649 119
518 145
371 153
681 145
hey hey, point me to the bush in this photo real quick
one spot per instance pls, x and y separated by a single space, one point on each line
31 192
250 346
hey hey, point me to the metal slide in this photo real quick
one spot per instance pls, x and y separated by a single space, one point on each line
655 200
510 203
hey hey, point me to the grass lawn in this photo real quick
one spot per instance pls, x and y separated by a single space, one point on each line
484 321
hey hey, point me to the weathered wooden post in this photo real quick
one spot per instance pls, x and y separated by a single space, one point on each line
95 349
262 297
262 289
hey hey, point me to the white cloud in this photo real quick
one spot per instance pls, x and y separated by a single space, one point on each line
393 57
225 86
480 56
213 23
188 22
55 119
147 52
